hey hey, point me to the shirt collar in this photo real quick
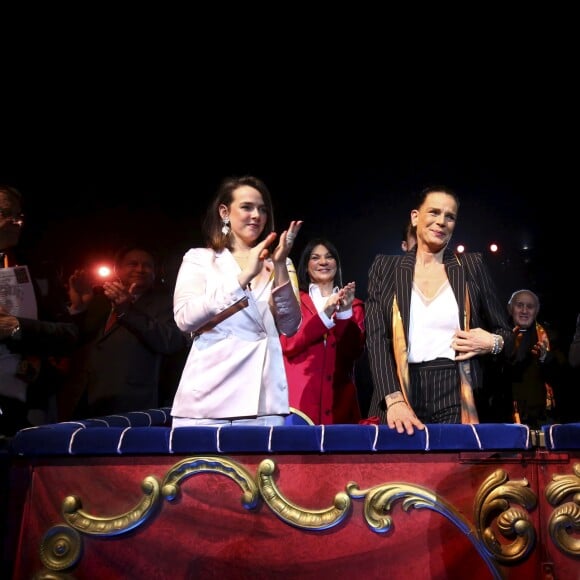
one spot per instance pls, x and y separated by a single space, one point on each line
314 290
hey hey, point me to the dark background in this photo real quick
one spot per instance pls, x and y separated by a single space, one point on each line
81 206
121 124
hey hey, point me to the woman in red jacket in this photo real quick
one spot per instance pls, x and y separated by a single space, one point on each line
320 357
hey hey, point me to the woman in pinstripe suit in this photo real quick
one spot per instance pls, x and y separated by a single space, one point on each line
430 315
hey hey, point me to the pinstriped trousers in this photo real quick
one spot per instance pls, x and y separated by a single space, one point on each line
435 391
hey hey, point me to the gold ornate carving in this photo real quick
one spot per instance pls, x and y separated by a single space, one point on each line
60 548
115 525
566 518
211 464
380 499
290 512
493 498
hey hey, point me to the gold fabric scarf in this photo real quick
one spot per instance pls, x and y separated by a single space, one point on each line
400 351
468 409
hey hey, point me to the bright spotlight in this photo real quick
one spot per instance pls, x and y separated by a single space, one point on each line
103 271
460 248
493 248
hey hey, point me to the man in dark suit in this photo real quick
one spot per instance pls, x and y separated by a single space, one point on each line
127 328
36 330
426 319
527 387
36 333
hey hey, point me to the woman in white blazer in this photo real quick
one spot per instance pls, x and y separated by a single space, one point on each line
235 297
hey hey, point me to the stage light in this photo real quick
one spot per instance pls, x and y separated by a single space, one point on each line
493 248
460 248
104 271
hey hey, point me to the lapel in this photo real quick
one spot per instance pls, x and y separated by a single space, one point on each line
228 266
307 302
404 286
456 274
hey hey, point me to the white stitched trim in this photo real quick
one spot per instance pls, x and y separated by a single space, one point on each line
527 436
218 439
552 434
476 436
121 440
322 440
83 425
147 414
122 417
270 439
171 439
376 437
101 421
426 438
70 443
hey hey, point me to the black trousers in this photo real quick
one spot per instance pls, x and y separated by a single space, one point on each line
436 391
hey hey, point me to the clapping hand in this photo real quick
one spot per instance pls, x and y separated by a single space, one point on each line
341 300
540 350
346 296
80 290
118 293
286 242
7 323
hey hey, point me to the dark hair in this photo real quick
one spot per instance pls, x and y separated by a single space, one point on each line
212 224
12 193
422 196
123 251
302 269
409 231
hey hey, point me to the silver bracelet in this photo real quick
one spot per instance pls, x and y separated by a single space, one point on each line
497 344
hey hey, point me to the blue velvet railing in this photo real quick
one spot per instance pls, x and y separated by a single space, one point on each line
150 432
562 437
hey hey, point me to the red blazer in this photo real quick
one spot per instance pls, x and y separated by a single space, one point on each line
321 374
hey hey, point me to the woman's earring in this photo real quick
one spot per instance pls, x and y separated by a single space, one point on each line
225 226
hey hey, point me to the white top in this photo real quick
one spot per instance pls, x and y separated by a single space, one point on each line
433 322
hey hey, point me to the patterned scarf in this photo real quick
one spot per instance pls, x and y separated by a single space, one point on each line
543 338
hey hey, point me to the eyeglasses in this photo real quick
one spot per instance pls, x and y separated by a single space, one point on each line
9 215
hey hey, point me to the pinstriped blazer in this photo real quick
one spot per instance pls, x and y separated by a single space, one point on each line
391 276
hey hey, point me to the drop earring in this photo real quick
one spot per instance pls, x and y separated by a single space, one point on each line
225 226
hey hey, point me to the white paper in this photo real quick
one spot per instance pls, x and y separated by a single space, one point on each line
17 296
17 292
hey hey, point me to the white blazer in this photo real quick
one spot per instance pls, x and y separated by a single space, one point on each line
235 366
